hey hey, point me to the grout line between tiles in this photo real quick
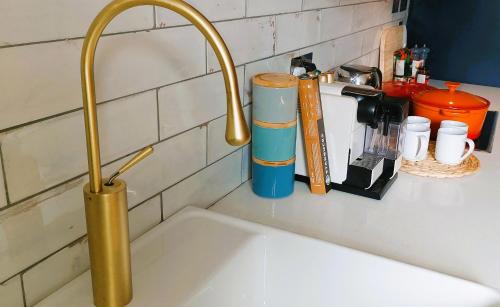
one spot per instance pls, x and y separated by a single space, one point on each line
161 208
2 161
158 113
23 290
184 80
154 17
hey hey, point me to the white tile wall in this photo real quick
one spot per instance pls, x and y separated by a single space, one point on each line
192 103
34 20
297 30
323 55
34 154
3 197
144 217
40 226
316 4
336 22
348 48
129 63
267 7
213 10
161 75
57 270
206 187
172 161
247 39
11 294
217 146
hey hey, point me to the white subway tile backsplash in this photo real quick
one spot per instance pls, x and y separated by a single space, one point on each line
217 145
214 10
40 226
267 7
323 55
185 105
280 63
348 48
11 293
49 74
55 271
247 39
371 39
38 81
367 15
129 63
3 197
349 2
144 217
317 4
173 160
42 155
206 187
336 22
34 20
297 30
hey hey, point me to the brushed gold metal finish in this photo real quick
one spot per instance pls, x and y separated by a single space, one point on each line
106 205
107 228
237 132
136 159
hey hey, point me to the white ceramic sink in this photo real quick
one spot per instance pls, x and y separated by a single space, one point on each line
201 258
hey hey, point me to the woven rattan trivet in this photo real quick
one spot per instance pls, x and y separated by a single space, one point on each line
431 168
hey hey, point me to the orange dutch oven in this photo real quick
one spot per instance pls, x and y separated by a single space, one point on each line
451 104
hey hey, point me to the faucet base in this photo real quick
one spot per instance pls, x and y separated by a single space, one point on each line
109 246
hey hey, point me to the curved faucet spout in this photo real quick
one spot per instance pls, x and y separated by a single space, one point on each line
237 132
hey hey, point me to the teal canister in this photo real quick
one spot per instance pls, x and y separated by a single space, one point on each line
274 142
274 97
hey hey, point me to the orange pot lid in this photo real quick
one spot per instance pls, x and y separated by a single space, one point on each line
451 98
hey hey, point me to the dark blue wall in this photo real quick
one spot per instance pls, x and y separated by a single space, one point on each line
464 37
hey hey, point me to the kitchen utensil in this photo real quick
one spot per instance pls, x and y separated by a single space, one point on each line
416 143
451 104
455 124
450 146
359 75
392 39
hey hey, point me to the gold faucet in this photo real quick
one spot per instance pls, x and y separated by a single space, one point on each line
106 206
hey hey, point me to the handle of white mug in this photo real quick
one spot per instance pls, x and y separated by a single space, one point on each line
420 147
471 149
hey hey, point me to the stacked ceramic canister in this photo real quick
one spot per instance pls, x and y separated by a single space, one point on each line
274 132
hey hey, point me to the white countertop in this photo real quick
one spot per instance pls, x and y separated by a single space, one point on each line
447 225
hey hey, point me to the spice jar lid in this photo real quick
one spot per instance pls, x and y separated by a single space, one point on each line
451 98
276 80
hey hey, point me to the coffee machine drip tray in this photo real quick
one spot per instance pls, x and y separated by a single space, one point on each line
376 191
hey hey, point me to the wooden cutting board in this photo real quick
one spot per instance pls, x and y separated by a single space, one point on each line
392 39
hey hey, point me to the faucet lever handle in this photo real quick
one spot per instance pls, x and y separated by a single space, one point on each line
136 159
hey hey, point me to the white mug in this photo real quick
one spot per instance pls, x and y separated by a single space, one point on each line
450 146
418 121
455 124
416 143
